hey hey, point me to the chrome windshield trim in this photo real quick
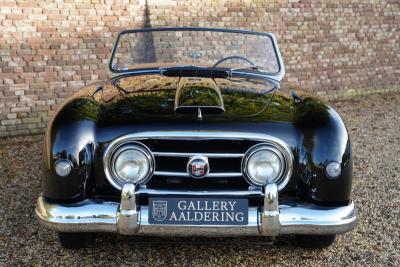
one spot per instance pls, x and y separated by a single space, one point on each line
210 175
188 155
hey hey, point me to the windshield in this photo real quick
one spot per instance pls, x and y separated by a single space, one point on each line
206 48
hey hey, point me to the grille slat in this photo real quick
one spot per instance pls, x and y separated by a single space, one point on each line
211 175
187 155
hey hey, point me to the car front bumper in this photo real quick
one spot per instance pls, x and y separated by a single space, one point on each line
130 219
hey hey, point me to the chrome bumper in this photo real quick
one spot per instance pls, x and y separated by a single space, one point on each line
129 219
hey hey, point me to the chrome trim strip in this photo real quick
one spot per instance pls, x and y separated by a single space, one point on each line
188 155
211 175
197 135
224 174
99 216
255 193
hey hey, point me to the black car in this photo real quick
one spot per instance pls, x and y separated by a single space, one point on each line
190 137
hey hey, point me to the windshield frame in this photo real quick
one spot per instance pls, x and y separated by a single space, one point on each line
276 76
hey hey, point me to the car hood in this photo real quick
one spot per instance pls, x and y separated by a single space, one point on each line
155 95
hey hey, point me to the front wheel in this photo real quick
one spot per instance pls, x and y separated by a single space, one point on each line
76 240
315 241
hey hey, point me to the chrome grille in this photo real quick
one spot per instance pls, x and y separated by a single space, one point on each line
168 155
172 150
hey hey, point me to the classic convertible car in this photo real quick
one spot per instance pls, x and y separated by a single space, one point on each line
190 137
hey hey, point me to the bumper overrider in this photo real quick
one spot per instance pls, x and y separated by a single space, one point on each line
130 219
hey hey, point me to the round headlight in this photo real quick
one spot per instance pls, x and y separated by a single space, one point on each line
267 163
131 163
264 166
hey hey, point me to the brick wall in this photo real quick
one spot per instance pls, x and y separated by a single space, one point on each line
49 49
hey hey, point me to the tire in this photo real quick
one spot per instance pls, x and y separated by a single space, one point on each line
76 240
315 241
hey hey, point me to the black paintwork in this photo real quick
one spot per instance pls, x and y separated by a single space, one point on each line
88 121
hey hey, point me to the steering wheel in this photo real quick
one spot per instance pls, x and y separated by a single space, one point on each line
234 57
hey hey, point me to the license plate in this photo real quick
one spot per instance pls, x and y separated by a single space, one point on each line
198 211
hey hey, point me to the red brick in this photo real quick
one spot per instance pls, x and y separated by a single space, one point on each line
36 40
16 16
27 4
46 29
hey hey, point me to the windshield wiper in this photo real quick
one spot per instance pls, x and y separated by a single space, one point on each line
193 71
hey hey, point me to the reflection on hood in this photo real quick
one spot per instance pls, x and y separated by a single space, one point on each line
154 94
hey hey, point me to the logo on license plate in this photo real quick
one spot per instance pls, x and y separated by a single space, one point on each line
160 210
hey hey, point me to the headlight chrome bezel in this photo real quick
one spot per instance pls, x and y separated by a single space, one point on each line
114 150
286 161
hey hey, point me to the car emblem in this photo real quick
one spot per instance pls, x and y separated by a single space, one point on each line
198 167
159 210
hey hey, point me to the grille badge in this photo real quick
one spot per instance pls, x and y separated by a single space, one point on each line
198 167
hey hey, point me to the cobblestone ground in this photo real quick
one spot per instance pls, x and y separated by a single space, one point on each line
374 126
